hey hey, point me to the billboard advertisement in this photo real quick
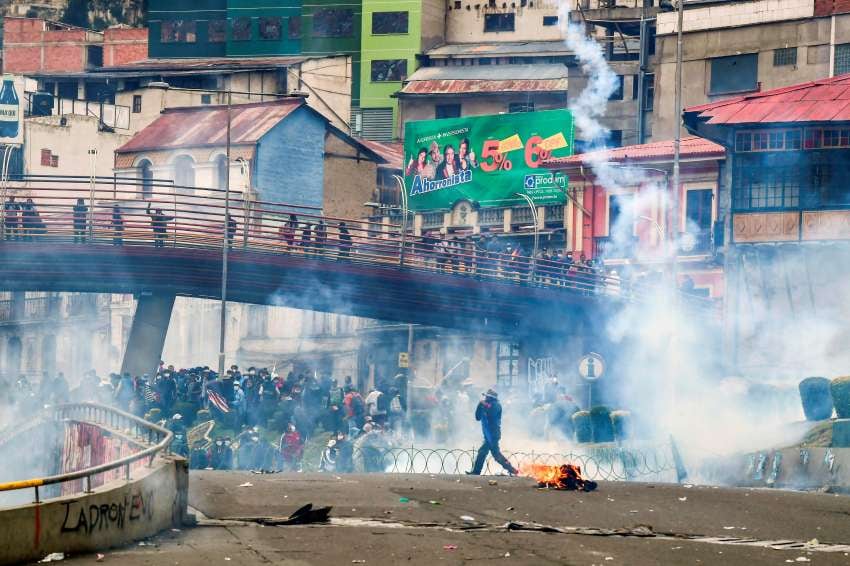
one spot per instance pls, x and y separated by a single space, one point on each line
487 160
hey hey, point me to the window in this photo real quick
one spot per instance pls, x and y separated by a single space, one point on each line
241 29
217 31
447 111
45 157
294 27
507 364
550 20
137 103
184 171
206 99
498 22
785 56
698 204
329 22
621 213
842 59
738 73
391 70
270 28
385 23
146 175
615 138
178 31
515 107
618 92
221 171
649 83
767 182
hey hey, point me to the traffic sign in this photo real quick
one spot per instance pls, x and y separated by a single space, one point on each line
591 366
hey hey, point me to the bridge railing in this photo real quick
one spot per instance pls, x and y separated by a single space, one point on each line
150 440
166 215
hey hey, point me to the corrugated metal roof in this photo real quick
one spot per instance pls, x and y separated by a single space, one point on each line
391 152
490 72
826 100
207 63
692 147
500 49
486 79
200 126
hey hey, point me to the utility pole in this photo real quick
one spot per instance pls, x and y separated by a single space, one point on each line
225 241
673 231
642 63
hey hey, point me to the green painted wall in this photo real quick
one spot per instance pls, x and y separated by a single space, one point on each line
347 42
287 10
187 10
378 47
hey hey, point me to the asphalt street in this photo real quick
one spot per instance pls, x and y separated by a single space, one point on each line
410 519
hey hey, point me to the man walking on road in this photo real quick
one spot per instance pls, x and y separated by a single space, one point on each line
489 412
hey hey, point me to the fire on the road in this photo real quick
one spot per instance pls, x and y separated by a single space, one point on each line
566 477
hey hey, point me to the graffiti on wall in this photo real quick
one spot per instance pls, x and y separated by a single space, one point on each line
89 519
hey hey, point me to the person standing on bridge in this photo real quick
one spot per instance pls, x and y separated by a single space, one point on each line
159 225
489 413
344 241
81 212
231 230
117 226
11 220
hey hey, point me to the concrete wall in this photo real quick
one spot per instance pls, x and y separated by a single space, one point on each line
466 25
815 39
349 180
113 515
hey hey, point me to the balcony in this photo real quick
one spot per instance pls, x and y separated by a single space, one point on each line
432 220
491 216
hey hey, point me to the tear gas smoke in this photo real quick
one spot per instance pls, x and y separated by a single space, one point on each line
672 361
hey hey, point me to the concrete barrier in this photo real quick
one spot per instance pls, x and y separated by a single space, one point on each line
115 514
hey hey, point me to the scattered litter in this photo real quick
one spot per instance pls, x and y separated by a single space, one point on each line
358 562
305 515
507 555
143 543
53 557
175 530
799 559
633 511
683 499
509 509
403 500
467 518
246 484
609 499
449 547
432 502
100 558
728 528
227 559
813 542
609 558
687 486
492 482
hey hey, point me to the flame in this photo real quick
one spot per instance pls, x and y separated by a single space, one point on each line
566 476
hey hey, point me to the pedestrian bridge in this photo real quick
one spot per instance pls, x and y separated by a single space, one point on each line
167 241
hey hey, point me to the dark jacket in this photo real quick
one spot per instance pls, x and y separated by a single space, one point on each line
489 412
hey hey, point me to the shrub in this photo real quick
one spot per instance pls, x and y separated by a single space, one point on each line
582 426
816 398
840 389
600 420
621 423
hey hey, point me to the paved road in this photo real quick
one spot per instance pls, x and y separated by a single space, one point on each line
418 520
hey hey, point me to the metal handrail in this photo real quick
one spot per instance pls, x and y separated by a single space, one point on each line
88 411
195 220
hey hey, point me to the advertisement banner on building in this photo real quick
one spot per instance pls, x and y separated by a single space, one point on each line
11 110
487 160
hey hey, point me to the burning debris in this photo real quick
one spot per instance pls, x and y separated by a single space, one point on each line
566 477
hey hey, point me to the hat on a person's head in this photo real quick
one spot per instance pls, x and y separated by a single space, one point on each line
491 393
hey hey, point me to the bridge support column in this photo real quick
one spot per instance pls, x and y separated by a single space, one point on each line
147 335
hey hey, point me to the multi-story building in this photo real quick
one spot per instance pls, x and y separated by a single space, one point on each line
745 46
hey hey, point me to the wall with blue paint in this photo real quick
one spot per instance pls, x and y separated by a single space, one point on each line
290 160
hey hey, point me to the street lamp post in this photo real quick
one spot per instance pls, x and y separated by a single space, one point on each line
536 230
225 242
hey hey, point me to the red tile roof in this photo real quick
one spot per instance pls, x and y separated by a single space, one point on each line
826 100
391 152
200 126
692 147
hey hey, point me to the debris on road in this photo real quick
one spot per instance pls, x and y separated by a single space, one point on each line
53 557
100 558
467 518
358 562
403 500
683 499
449 547
246 484
566 477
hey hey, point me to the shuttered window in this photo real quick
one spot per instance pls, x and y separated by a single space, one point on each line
377 124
